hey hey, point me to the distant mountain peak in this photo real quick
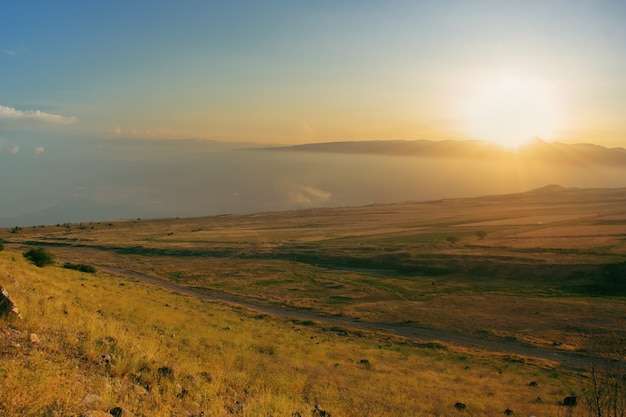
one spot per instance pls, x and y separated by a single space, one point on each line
537 150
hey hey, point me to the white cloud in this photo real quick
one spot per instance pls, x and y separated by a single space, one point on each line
16 119
9 52
309 195
39 150
14 150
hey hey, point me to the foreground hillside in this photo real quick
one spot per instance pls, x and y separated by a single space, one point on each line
541 268
496 303
91 343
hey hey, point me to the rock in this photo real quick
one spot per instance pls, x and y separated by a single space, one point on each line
34 338
106 359
460 406
120 412
166 371
7 305
570 401
91 400
318 412
140 391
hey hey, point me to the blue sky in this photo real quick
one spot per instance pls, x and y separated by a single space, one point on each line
90 90
294 72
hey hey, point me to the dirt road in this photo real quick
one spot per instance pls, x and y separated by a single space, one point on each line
419 334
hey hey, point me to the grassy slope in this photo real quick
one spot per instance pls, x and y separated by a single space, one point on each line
227 361
542 274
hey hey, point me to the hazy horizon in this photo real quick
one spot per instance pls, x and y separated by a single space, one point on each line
109 180
92 94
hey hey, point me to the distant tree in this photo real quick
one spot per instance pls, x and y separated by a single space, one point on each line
481 234
452 240
1 245
16 229
39 256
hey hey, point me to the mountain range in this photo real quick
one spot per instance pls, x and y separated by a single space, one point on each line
536 150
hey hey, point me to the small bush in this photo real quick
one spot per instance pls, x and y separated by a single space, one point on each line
1 245
39 256
80 267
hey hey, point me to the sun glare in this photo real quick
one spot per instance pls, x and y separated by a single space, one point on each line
510 111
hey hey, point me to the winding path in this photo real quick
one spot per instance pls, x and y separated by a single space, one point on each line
568 360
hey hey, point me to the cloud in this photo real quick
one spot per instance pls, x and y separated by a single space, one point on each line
304 194
9 52
39 150
18 119
14 150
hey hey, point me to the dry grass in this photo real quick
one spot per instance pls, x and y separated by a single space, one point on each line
227 362
545 271
539 263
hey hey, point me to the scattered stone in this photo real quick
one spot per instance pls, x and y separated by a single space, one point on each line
120 412
318 412
570 401
364 362
7 305
166 371
91 400
140 391
180 391
460 406
34 338
106 359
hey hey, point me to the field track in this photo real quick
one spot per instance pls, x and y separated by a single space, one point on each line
418 334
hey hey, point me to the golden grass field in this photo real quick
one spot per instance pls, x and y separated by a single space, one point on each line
543 268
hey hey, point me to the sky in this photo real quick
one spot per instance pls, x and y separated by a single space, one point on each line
289 72
121 109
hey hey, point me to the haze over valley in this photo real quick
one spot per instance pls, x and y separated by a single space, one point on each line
131 178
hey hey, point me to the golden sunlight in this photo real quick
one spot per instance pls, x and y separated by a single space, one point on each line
510 110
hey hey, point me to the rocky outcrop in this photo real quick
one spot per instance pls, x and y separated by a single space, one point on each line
7 305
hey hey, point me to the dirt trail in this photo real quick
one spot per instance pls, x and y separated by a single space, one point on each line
568 360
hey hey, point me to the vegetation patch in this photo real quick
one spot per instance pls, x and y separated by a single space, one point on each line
39 256
80 267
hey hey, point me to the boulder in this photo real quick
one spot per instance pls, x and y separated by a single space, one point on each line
7 305
121 412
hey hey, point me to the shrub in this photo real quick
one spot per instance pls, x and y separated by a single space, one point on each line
1 245
39 256
80 267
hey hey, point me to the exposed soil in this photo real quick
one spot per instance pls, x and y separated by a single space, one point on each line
418 334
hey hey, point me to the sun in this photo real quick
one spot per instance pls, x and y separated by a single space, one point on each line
510 110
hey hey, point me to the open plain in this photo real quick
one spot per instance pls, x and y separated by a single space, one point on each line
491 292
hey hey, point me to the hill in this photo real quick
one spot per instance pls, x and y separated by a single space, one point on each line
360 310
536 150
